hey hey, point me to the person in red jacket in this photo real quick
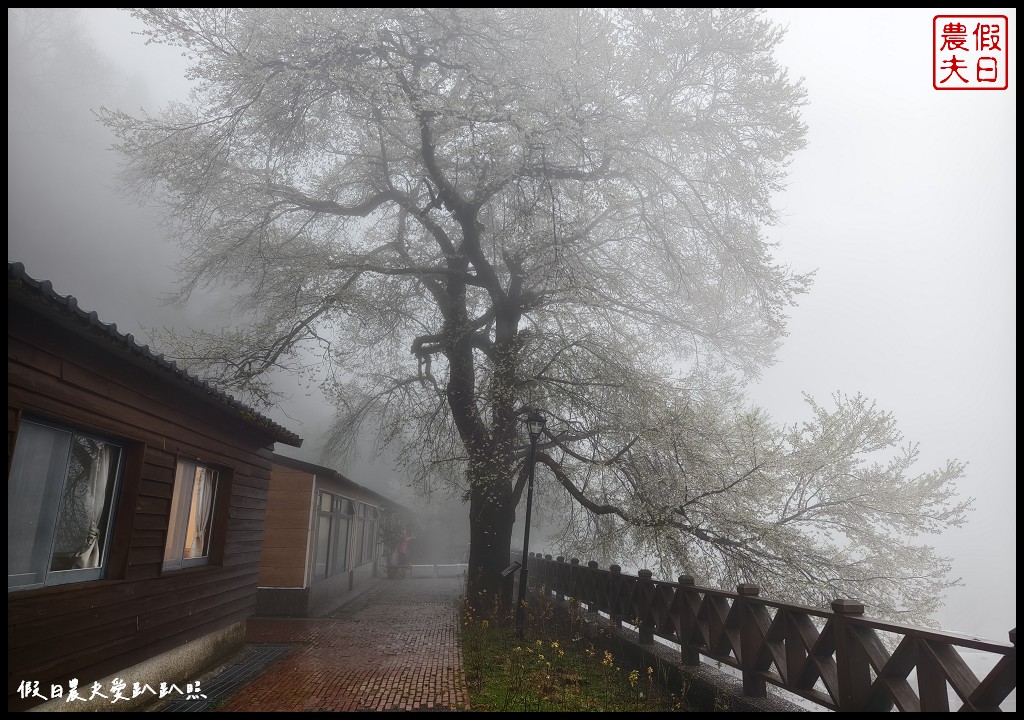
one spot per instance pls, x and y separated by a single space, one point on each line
403 549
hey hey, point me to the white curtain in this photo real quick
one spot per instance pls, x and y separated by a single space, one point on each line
202 510
90 555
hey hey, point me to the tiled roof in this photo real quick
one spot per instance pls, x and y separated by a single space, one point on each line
67 306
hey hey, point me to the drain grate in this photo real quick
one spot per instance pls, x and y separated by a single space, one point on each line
253 661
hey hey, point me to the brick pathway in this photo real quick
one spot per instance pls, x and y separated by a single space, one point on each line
393 648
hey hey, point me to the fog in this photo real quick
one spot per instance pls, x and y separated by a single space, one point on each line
904 202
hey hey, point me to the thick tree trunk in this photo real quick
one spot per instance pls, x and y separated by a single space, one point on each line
490 534
489 441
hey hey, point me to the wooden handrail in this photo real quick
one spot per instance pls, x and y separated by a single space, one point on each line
833 657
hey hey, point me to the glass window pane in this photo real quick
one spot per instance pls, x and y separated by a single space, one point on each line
323 539
360 539
178 517
80 535
33 493
340 557
200 523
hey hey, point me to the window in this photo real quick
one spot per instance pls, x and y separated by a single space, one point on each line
334 516
192 515
60 495
367 533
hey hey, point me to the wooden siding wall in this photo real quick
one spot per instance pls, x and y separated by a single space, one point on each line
285 558
90 630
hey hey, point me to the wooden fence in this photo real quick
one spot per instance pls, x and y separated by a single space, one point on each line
835 658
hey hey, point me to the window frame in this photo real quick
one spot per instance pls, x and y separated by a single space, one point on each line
112 492
368 521
180 515
333 534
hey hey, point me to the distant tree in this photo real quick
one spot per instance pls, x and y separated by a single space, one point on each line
451 215
824 509
53 71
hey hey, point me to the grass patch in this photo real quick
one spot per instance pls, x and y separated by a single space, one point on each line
554 668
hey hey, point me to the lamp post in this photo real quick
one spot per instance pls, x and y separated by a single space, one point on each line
535 423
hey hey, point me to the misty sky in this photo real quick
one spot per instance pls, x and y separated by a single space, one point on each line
903 201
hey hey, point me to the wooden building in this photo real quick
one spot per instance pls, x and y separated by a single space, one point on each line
323 539
136 496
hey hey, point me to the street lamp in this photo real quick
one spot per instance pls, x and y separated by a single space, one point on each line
535 423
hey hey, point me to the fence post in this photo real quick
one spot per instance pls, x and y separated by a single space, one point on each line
852 668
560 581
645 621
592 588
548 570
573 591
614 615
750 640
687 622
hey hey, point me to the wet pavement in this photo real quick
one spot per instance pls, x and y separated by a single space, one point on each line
394 647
